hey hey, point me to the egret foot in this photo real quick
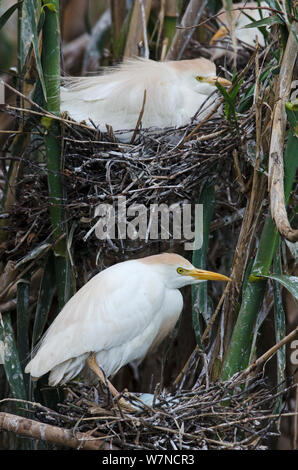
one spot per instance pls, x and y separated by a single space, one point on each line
91 362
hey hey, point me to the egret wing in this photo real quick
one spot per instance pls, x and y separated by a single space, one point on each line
113 308
120 96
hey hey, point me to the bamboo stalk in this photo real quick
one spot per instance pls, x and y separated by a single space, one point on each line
51 69
238 354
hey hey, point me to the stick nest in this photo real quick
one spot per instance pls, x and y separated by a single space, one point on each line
220 416
161 166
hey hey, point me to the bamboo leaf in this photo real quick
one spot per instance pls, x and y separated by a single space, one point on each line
36 252
51 67
23 287
26 39
280 330
11 364
289 282
273 4
293 247
270 20
247 98
262 29
293 32
30 11
5 17
45 298
230 101
292 114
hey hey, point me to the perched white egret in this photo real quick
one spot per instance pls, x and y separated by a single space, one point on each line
242 14
119 316
175 90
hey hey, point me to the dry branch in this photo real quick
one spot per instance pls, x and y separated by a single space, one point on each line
46 432
136 28
276 166
270 352
193 13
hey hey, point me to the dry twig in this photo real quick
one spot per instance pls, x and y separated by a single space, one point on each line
276 165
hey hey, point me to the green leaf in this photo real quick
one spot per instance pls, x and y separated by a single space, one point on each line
230 101
47 122
280 331
262 29
292 113
45 298
5 17
11 364
30 12
293 32
26 39
289 282
293 247
23 288
293 107
270 20
273 4
40 249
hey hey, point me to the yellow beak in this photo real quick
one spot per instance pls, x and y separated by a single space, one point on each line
222 81
203 275
221 33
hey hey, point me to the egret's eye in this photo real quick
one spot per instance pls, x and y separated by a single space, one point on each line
180 270
200 79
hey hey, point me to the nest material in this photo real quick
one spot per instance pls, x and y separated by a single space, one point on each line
159 167
219 416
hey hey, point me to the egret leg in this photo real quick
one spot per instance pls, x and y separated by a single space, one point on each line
91 361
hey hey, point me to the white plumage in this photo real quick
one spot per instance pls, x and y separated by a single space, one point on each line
174 93
119 315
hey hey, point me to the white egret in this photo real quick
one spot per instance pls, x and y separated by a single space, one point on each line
241 14
117 317
175 90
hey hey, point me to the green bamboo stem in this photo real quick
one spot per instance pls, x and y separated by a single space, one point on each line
23 316
51 69
280 332
238 355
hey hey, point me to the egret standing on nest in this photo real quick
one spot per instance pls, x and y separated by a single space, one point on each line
119 316
241 15
174 93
